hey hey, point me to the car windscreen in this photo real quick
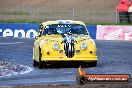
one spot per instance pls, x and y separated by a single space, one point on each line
65 29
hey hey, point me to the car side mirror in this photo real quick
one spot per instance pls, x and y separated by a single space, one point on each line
39 34
36 37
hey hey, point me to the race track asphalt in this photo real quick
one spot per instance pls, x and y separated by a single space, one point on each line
115 57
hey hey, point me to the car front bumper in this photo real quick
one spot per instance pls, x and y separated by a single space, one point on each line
55 58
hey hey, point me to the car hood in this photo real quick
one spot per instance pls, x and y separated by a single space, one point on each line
61 39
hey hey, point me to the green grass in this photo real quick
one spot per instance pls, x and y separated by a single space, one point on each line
14 12
107 23
92 23
18 21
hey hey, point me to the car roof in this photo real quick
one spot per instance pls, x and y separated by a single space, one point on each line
62 22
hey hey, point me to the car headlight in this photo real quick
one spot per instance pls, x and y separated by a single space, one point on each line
55 46
83 46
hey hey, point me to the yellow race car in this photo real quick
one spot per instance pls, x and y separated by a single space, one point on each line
63 41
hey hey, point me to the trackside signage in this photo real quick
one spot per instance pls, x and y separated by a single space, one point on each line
92 30
27 30
101 32
114 32
18 30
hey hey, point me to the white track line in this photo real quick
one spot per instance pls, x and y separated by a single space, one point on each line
4 43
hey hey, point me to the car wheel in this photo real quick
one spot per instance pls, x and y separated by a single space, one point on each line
42 64
35 63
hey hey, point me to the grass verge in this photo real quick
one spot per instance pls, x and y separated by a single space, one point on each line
92 23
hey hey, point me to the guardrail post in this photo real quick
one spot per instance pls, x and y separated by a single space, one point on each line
73 14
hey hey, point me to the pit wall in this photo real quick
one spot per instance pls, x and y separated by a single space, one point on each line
100 32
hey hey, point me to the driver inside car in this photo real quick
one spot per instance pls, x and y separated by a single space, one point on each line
50 32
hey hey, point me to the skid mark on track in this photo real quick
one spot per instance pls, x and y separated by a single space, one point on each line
54 80
10 43
9 69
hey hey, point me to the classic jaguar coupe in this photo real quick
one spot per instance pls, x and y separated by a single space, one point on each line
63 41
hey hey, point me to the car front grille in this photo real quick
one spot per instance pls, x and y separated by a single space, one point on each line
69 49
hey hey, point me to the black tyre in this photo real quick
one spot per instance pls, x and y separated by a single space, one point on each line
35 63
42 64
